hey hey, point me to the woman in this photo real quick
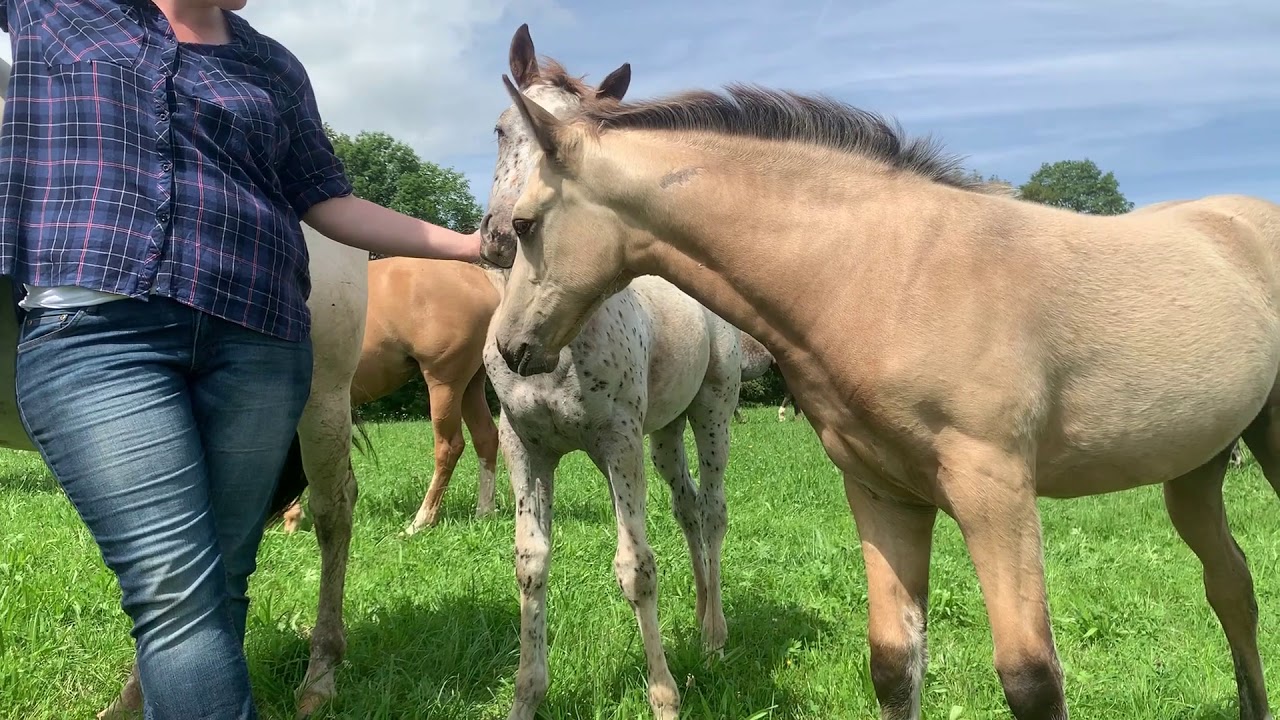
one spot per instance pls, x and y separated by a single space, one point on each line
156 160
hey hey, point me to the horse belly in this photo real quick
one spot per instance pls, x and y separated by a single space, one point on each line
1152 433
676 346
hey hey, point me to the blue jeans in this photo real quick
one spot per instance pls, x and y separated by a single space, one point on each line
167 429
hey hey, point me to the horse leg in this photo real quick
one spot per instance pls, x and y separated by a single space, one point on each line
484 436
446 427
666 446
991 495
782 408
532 483
325 432
129 703
1263 438
896 542
709 418
621 458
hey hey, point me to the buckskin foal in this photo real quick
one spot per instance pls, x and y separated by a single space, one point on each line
1080 354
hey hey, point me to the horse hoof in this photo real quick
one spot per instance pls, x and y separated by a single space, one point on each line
309 703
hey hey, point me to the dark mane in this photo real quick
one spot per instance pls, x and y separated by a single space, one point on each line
769 114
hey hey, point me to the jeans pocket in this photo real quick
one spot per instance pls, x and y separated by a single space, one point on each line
43 324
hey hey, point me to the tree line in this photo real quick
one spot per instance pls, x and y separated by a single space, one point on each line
389 172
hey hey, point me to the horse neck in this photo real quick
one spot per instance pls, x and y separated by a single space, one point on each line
782 248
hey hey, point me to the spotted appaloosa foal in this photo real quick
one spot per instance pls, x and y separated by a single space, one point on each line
646 358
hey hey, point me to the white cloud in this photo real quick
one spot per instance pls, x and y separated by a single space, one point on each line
413 69
1010 82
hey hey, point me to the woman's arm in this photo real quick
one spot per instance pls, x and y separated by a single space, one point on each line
314 181
359 223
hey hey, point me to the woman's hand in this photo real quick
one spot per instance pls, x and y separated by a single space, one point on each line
369 226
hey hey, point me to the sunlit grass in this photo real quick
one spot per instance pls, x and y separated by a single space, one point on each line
432 620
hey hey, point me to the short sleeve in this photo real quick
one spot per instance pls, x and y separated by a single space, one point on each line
311 172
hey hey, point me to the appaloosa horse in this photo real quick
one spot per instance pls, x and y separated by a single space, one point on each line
320 456
953 348
643 359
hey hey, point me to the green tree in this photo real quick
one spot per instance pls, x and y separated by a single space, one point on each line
1078 185
388 172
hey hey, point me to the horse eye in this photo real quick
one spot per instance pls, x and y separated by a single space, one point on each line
522 227
499 132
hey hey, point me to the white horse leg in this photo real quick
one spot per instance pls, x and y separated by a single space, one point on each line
666 446
325 432
532 482
621 458
709 418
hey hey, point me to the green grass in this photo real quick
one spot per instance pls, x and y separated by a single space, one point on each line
432 620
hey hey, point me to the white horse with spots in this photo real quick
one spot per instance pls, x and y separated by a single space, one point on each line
647 358
320 456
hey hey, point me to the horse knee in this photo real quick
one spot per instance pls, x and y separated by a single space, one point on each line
637 575
451 448
532 562
1033 689
715 514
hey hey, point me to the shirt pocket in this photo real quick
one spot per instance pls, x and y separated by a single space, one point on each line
239 115
78 33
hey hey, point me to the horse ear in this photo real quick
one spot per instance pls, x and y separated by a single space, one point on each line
544 125
522 58
616 83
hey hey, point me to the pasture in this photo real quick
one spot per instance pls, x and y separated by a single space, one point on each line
432 619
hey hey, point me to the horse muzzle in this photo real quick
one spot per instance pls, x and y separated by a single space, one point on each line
526 358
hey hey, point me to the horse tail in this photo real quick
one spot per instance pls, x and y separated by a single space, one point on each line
292 481
360 440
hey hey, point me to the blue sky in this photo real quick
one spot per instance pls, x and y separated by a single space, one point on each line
1179 98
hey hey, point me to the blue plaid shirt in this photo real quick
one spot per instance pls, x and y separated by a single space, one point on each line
134 164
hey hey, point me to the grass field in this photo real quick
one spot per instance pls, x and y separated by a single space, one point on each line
432 619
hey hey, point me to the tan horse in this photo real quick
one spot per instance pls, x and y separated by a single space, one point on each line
431 317
645 359
954 349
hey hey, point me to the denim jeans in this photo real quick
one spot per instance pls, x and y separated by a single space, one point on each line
167 429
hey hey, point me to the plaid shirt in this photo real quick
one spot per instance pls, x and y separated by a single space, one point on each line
134 164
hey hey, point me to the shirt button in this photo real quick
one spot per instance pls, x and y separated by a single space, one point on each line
163 114
162 217
166 166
